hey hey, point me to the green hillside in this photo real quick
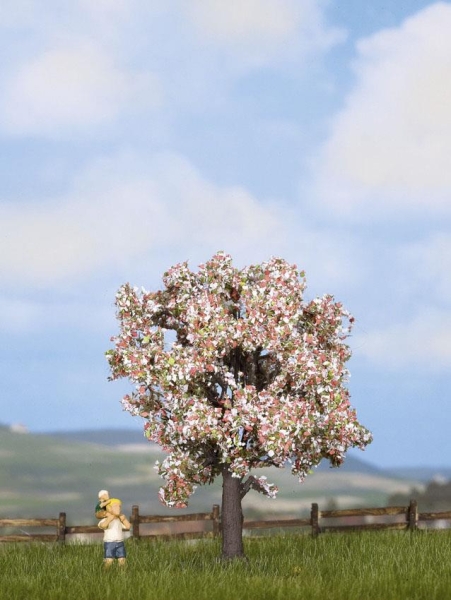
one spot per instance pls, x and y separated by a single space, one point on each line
126 437
41 475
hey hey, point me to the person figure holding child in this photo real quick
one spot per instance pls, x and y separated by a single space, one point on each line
113 523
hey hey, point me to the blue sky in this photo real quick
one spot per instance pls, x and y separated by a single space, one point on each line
135 135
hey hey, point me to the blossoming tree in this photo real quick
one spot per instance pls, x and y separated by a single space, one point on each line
251 376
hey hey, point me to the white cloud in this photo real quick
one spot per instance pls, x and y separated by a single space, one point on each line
121 209
258 31
107 7
234 21
127 212
390 146
69 88
423 343
34 15
69 72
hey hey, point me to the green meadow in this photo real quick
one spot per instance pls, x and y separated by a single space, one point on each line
353 566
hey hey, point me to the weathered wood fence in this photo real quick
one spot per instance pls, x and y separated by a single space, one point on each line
319 521
137 520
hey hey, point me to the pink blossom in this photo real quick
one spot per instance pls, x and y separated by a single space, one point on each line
255 375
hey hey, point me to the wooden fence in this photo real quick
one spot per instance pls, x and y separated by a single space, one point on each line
319 521
137 520
58 524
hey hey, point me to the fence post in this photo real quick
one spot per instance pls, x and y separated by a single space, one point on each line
61 528
412 515
135 521
216 522
314 517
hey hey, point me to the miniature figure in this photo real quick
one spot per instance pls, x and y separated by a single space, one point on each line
113 523
108 509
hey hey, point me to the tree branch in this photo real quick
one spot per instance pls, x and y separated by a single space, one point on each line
211 457
247 485
260 485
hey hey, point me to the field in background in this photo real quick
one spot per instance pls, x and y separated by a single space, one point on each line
370 566
41 475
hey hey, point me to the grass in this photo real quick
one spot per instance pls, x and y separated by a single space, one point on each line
360 566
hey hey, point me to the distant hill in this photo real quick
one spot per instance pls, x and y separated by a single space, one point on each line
354 465
106 437
423 474
43 474
124 437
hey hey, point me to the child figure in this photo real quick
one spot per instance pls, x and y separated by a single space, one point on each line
108 509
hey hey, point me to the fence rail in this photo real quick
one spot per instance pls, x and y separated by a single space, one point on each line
137 520
320 521
410 513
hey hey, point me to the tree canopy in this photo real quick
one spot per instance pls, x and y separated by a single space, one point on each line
232 367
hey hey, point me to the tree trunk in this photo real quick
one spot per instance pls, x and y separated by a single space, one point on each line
231 516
